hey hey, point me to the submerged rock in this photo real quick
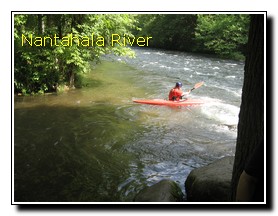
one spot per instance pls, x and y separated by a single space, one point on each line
211 183
163 191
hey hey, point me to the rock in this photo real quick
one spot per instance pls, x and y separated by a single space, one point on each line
211 183
163 191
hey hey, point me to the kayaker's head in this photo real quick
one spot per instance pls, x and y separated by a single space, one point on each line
178 85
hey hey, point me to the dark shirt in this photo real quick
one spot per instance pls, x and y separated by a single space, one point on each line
255 168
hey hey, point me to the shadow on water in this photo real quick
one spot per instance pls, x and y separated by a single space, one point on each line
64 154
70 147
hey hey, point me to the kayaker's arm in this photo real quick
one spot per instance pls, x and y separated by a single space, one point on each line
197 85
186 93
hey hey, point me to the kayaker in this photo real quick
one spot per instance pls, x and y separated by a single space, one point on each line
176 93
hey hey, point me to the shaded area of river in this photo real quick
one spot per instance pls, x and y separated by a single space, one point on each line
94 144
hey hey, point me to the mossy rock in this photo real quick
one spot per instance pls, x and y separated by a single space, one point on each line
211 183
163 191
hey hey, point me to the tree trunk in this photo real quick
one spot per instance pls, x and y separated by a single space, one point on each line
40 24
71 75
251 116
71 80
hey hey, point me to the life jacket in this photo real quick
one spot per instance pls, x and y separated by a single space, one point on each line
175 94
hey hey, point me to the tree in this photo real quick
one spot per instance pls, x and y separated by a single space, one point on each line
251 116
222 34
42 68
170 31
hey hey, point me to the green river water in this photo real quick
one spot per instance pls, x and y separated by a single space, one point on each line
95 145
71 146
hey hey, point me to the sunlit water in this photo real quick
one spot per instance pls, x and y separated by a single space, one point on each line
94 144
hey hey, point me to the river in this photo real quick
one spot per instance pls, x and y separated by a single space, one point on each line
95 145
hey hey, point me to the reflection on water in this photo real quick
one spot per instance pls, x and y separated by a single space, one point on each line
69 154
95 144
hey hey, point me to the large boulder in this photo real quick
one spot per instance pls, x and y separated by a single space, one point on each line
211 183
163 191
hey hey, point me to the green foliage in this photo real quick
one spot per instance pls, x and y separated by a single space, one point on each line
223 34
40 69
169 31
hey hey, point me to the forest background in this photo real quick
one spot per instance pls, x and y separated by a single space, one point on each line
50 68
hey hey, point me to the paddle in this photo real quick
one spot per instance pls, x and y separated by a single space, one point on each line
197 85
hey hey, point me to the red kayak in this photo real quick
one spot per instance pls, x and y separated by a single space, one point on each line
187 102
